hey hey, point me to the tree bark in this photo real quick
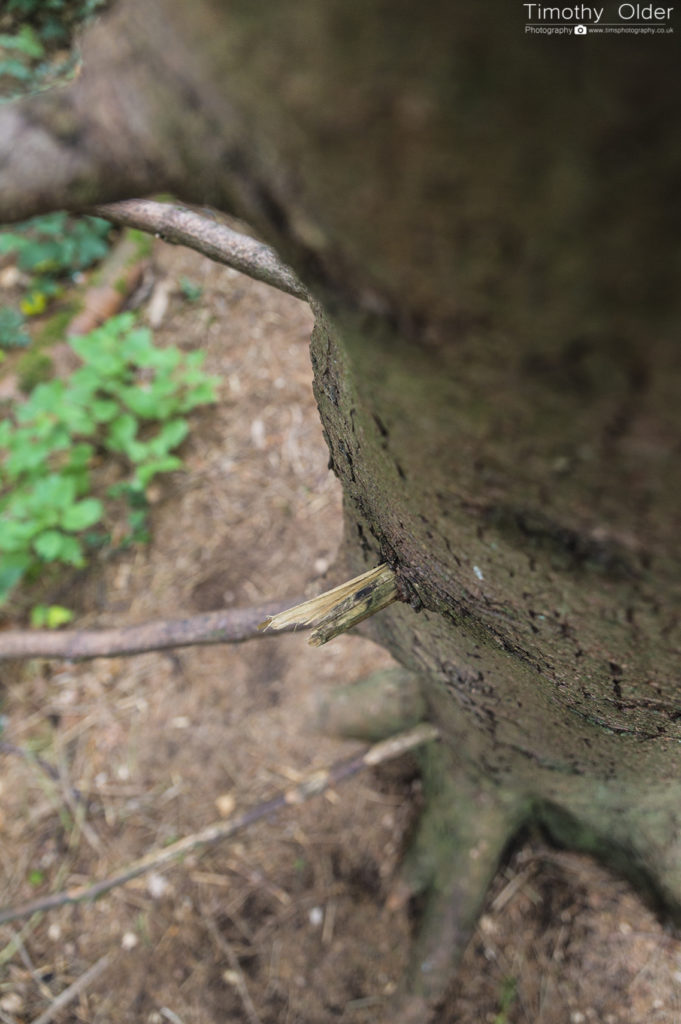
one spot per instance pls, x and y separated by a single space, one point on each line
488 223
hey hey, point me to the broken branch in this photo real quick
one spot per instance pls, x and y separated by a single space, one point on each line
335 611
224 627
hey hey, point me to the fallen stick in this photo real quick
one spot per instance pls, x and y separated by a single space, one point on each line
73 991
216 832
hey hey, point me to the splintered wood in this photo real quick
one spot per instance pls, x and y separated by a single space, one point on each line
337 610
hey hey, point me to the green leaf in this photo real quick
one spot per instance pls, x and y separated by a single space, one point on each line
45 495
195 360
142 401
26 41
10 242
55 546
56 491
203 394
15 536
191 291
78 419
12 568
83 514
49 545
169 436
104 409
51 616
165 359
80 456
15 69
138 346
148 470
122 432
46 397
12 333
24 458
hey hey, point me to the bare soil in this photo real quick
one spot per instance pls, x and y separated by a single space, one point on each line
289 921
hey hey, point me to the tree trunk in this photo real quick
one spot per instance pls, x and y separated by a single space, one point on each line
489 223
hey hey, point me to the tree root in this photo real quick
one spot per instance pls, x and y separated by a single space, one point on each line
378 706
635 834
464 828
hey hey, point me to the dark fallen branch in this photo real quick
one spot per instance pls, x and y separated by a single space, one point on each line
180 226
224 627
311 786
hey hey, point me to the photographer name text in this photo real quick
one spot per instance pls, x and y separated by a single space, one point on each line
585 13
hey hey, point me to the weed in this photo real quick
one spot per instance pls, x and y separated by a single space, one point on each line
51 248
127 400
35 42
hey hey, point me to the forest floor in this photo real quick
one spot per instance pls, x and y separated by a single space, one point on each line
287 923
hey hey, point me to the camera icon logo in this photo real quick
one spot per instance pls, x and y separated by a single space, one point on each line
580 30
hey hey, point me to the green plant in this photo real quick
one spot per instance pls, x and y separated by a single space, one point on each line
52 248
127 400
52 616
507 996
12 333
33 368
35 42
191 291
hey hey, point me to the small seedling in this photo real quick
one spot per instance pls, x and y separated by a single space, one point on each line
191 291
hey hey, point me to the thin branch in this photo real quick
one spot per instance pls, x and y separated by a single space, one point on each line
225 627
217 832
180 226
73 991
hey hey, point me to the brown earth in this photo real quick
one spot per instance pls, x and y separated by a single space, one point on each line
288 922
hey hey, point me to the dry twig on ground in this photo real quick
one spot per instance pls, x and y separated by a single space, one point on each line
216 832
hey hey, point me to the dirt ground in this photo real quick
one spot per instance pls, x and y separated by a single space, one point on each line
287 922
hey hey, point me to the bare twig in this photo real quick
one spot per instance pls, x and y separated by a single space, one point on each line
221 830
171 1015
73 991
180 226
225 627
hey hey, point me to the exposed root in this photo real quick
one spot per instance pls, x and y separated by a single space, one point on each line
636 834
463 832
384 703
